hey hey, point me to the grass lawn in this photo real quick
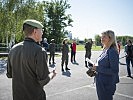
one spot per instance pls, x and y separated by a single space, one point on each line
94 48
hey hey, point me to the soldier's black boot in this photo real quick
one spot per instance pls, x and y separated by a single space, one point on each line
90 65
49 63
67 68
86 64
62 69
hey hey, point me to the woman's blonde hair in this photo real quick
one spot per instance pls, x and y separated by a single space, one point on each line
112 42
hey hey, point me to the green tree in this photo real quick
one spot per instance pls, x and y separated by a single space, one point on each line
56 20
123 39
98 40
52 14
14 12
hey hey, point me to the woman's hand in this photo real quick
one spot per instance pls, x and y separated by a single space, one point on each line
94 67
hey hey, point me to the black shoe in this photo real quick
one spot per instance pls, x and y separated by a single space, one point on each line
128 75
54 63
86 66
67 69
49 63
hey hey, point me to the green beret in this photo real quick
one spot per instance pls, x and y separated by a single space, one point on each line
33 23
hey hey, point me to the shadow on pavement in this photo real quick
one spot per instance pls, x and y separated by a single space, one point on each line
121 63
75 63
52 65
131 77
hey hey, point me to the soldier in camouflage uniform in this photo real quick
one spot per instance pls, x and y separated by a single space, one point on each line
52 51
65 56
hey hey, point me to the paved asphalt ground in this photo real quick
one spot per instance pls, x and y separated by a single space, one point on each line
74 84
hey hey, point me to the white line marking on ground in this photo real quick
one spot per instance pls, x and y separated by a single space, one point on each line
127 96
90 86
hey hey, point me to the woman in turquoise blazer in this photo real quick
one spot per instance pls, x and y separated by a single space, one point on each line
107 67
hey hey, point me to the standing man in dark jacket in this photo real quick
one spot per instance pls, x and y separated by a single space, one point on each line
88 47
129 56
52 51
27 65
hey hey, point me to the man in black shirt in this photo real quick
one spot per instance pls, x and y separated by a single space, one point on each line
27 65
52 51
129 56
88 47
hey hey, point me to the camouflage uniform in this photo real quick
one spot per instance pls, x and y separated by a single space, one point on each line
52 52
65 56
